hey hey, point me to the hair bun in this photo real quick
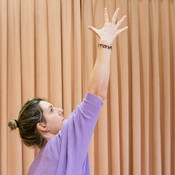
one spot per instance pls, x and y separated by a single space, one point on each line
13 124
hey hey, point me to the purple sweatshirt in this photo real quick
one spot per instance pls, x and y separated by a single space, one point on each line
67 152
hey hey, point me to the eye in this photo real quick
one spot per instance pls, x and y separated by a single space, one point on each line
51 109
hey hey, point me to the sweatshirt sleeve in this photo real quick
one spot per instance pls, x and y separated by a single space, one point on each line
81 125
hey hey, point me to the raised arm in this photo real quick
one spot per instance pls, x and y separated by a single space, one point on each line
99 79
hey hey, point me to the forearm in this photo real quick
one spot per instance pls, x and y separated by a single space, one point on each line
99 78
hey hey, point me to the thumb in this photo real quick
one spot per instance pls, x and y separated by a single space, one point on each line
96 31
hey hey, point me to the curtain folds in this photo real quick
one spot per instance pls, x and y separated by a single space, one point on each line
47 51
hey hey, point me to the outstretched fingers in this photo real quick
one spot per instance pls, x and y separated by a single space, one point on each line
106 15
119 22
114 17
110 30
122 30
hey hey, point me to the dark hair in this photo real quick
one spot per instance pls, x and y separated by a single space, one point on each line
30 114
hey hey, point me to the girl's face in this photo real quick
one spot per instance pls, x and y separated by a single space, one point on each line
54 117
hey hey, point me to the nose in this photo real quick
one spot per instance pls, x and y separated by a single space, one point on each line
60 111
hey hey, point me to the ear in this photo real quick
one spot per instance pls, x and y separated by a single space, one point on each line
42 127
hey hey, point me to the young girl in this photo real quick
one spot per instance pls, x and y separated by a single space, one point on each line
64 143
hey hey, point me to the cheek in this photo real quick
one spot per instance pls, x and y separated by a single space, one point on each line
56 122
52 120
57 126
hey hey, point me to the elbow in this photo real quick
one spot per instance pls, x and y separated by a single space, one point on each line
101 94
101 97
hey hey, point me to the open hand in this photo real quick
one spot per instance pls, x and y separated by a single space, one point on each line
110 30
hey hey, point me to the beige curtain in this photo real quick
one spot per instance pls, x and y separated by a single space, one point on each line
46 50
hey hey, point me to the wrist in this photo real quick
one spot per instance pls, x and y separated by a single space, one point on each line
102 41
105 46
104 51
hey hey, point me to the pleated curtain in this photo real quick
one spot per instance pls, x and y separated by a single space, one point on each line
47 51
